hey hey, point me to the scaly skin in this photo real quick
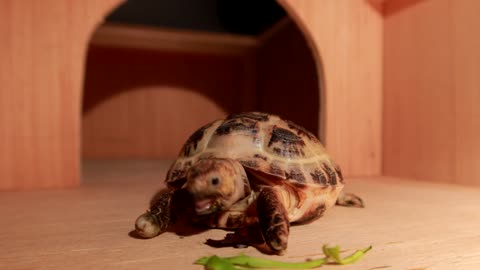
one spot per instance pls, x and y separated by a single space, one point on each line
273 219
156 220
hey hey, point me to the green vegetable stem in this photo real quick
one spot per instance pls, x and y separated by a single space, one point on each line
228 263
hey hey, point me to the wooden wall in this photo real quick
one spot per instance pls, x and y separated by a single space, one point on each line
347 37
42 50
432 90
349 60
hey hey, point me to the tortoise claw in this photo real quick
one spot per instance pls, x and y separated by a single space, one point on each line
350 200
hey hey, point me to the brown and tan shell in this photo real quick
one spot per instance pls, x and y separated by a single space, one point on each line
267 145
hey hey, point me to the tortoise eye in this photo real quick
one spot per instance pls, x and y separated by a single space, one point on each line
215 181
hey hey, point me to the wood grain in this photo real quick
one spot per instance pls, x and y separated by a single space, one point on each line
411 225
347 41
431 125
42 49
164 39
419 107
466 71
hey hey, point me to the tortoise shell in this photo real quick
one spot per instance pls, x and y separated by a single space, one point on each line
262 143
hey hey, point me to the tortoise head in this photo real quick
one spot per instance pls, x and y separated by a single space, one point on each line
215 184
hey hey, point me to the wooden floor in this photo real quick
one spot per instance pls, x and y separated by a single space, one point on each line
411 225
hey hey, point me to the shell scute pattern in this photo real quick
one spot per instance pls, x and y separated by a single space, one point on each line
332 175
264 143
301 131
285 137
257 116
238 125
191 144
285 143
319 177
295 173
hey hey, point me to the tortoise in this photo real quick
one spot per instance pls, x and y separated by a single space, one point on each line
249 168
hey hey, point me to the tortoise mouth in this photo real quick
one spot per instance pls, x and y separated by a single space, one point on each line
205 206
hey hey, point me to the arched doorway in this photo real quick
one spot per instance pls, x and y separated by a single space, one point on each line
157 70
43 149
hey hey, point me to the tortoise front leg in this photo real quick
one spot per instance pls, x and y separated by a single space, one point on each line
273 219
158 218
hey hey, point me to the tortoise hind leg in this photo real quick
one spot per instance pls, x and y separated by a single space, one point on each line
273 220
350 200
